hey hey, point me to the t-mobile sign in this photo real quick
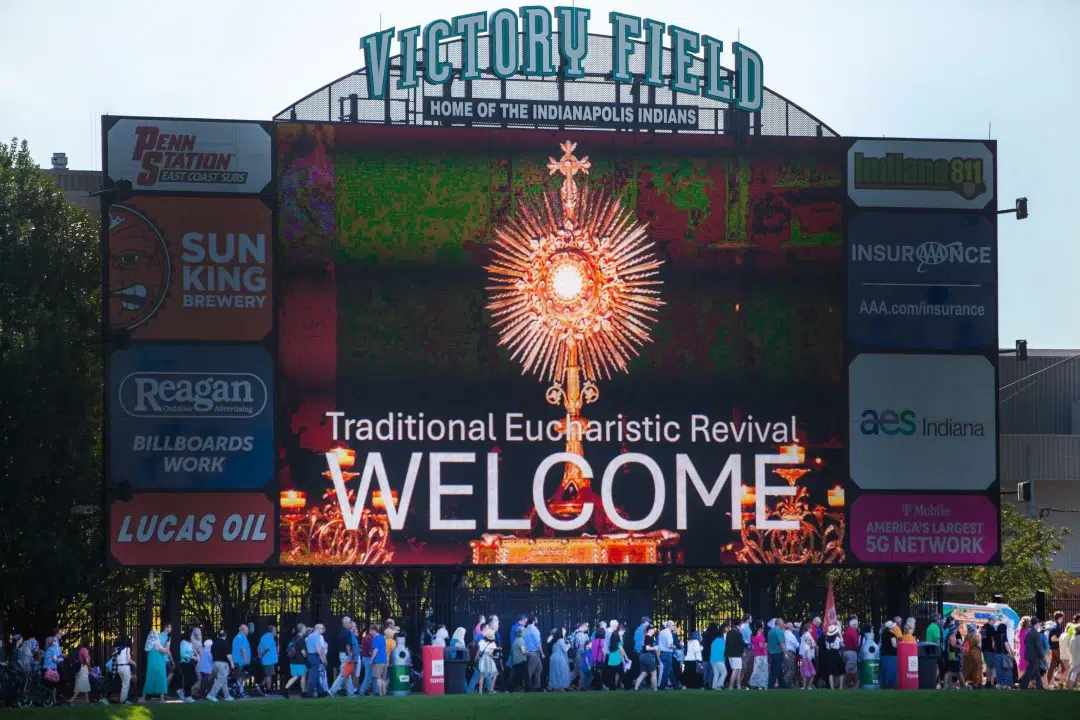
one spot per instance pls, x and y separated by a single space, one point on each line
924 529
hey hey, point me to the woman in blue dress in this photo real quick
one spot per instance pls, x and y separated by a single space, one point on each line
156 675
559 666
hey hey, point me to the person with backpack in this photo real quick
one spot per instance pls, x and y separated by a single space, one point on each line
580 657
297 654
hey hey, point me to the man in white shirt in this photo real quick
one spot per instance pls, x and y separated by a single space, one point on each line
791 653
666 644
791 640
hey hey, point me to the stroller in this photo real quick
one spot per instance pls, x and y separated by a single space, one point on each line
235 684
99 685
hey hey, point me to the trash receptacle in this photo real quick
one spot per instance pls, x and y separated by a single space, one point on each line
929 657
434 670
869 662
456 662
400 672
907 665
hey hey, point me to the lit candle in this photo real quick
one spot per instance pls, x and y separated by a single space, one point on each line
377 499
293 500
748 495
795 453
345 456
836 497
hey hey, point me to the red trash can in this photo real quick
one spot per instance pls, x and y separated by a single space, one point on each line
907 665
434 672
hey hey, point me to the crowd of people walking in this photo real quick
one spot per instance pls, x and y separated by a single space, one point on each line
738 654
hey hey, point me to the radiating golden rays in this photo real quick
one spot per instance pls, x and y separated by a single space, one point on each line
573 281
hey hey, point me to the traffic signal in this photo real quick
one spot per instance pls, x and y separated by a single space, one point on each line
1021 208
1021 350
1023 492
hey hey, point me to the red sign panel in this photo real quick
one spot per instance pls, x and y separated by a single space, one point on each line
163 529
191 268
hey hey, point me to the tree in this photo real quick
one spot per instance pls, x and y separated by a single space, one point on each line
1027 556
50 394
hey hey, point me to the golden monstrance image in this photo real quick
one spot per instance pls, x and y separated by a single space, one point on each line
573 293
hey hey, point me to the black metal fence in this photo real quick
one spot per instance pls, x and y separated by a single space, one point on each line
692 599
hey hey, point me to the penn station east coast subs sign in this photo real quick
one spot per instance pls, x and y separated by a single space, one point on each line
534 42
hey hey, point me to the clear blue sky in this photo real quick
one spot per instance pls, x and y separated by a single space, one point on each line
910 68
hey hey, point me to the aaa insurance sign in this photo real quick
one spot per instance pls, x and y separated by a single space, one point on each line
191 417
921 174
189 155
922 422
922 281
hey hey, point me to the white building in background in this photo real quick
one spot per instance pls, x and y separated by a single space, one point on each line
77 184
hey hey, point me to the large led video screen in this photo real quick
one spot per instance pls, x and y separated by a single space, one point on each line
502 347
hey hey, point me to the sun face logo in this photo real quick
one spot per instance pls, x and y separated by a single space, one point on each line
138 268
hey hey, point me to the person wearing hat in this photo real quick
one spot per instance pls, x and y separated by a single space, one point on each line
888 655
485 660
832 661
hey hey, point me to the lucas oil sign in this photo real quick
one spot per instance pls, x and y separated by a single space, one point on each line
191 417
192 529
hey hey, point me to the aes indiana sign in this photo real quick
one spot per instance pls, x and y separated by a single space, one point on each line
539 44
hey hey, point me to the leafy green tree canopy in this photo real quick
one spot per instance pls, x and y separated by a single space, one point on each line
1028 547
50 394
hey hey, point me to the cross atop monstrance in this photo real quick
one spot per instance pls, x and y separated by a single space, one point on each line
569 166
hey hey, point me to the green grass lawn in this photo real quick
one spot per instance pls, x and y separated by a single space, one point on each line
978 705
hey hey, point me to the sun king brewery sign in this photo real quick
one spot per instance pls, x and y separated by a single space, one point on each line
536 43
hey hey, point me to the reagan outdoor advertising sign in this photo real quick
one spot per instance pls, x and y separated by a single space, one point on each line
191 417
